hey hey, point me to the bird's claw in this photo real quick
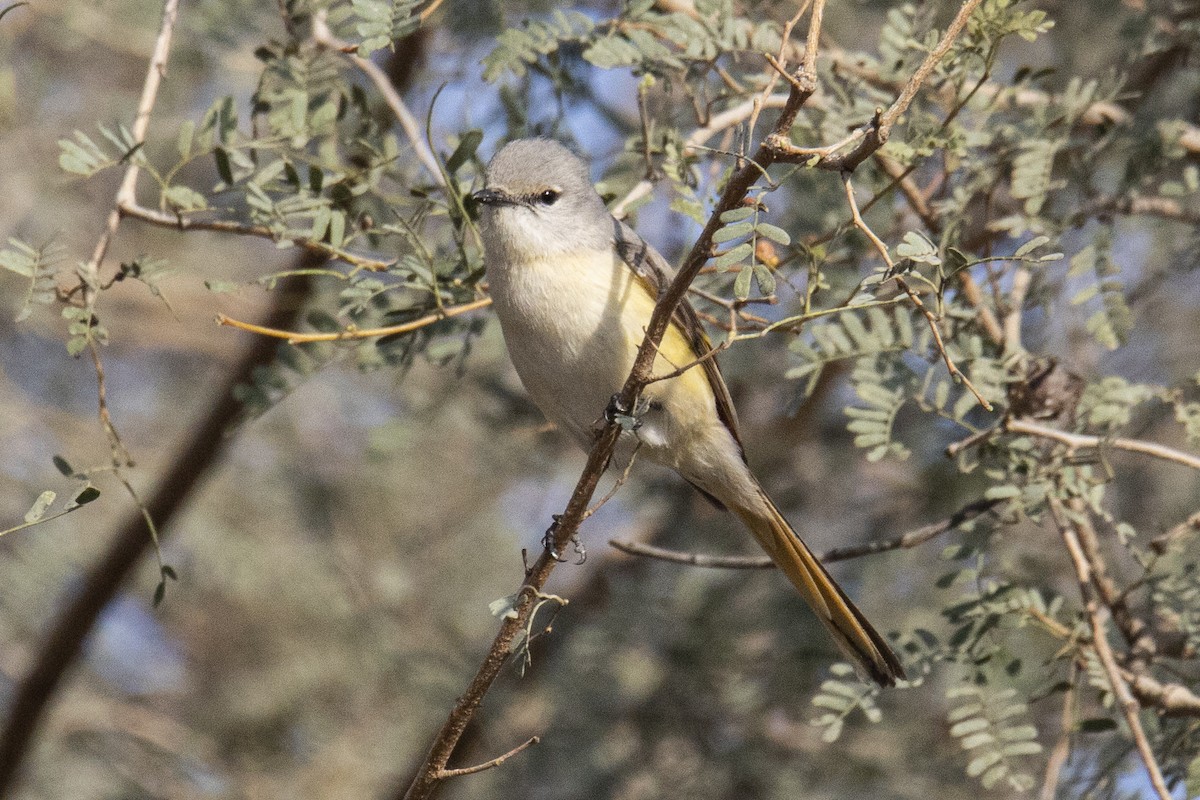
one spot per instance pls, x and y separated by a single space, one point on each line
550 541
629 420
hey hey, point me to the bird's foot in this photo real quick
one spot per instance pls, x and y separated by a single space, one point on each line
550 543
628 419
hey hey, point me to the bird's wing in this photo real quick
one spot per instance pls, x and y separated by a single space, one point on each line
655 273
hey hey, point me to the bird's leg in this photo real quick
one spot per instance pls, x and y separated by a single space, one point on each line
550 538
629 419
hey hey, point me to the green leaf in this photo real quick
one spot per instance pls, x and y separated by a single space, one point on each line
775 234
741 284
735 231
184 199
1030 246
733 256
467 146
738 214
221 156
183 143
916 247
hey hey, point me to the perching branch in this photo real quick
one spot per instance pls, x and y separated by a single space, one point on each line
747 171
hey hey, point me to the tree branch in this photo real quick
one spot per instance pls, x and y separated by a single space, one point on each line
904 541
1098 614
64 640
298 337
746 173
1077 441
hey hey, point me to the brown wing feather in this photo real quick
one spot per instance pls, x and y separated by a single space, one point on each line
653 269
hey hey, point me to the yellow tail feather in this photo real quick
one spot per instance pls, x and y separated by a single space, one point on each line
853 633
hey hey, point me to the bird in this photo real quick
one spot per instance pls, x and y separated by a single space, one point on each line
573 288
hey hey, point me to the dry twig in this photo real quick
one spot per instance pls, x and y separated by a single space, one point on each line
904 541
299 337
1098 614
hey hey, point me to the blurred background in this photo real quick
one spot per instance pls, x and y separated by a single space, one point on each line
337 560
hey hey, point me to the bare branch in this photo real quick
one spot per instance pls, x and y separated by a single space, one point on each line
495 762
1078 441
1098 614
904 541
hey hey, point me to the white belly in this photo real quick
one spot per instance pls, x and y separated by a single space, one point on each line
573 327
566 329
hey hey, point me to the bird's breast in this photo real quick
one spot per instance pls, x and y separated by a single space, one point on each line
569 323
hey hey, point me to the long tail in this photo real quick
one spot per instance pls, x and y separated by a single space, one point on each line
851 630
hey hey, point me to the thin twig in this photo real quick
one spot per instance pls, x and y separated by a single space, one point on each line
920 206
298 337
904 541
90 271
617 484
495 762
1022 278
323 36
131 208
876 132
1098 614
1061 752
951 367
696 139
1078 441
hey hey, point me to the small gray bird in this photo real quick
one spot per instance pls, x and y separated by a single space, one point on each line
574 288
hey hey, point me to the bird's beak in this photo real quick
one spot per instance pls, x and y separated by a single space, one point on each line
492 197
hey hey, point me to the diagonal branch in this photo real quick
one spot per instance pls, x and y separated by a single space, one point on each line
874 134
1098 614
746 173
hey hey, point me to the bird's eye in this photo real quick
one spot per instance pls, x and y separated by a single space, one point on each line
549 197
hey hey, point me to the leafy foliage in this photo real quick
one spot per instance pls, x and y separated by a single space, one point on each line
38 266
997 172
994 728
